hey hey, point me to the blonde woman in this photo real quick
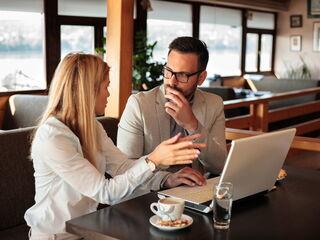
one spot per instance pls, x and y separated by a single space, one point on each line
71 151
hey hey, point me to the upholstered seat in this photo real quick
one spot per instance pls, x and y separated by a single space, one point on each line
24 110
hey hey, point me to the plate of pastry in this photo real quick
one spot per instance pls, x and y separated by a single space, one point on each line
183 222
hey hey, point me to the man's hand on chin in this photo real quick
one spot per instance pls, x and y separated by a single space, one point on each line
187 176
180 110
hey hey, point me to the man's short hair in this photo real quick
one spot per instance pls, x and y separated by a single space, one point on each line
191 45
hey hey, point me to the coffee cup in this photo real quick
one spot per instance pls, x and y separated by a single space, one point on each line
168 208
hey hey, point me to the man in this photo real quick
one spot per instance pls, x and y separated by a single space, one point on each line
177 106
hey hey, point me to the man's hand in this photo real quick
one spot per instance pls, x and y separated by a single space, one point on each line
186 176
179 108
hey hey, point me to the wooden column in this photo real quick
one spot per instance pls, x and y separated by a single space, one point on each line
259 116
119 54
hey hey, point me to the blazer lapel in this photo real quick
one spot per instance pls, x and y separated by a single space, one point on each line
162 116
198 107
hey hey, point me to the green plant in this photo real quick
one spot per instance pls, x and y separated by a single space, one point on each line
300 71
102 50
146 73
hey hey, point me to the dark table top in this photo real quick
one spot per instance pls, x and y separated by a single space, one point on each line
292 211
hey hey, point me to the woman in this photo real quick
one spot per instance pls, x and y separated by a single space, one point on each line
71 151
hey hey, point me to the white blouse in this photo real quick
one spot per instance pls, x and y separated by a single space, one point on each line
68 185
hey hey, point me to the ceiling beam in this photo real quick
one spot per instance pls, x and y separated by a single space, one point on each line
270 5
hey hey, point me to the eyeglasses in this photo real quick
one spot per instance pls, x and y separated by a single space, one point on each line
182 77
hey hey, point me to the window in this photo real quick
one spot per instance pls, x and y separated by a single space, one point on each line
266 52
82 25
77 39
92 8
260 20
252 52
163 26
260 33
21 51
221 29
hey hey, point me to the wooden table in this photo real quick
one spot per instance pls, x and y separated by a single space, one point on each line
290 212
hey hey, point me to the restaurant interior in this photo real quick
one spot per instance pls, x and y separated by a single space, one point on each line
264 62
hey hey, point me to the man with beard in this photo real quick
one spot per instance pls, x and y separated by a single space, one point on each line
177 107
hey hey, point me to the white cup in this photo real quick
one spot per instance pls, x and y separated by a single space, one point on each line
168 208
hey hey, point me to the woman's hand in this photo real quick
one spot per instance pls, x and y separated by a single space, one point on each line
194 138
174 151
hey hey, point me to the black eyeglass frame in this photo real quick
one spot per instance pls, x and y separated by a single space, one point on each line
188 75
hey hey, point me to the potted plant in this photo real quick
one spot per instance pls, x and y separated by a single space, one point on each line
146 73
299 71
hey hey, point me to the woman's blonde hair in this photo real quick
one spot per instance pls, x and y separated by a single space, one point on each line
72 98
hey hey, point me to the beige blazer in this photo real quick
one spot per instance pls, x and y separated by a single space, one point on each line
145 124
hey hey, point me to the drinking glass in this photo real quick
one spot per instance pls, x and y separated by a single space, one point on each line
222 204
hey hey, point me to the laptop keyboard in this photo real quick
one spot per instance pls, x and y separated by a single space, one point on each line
197 195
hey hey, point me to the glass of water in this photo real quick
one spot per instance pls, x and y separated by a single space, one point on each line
222 204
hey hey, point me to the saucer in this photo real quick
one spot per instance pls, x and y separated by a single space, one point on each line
154 219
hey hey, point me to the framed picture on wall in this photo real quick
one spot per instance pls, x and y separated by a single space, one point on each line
316 36
295 21
313 8
295 43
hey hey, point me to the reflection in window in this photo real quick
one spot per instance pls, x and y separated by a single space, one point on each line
221 30
163 26
76 39
266 52
21 51
252 52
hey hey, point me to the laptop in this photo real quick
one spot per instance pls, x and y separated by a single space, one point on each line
252 166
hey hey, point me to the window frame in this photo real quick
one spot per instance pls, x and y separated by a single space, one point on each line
196 26
260 32
198 33
194 12
97 23
33 91
52 39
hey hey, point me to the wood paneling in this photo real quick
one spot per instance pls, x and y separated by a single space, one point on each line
260 116
306 127
293 111
237 82
274 97
3 105
240 122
